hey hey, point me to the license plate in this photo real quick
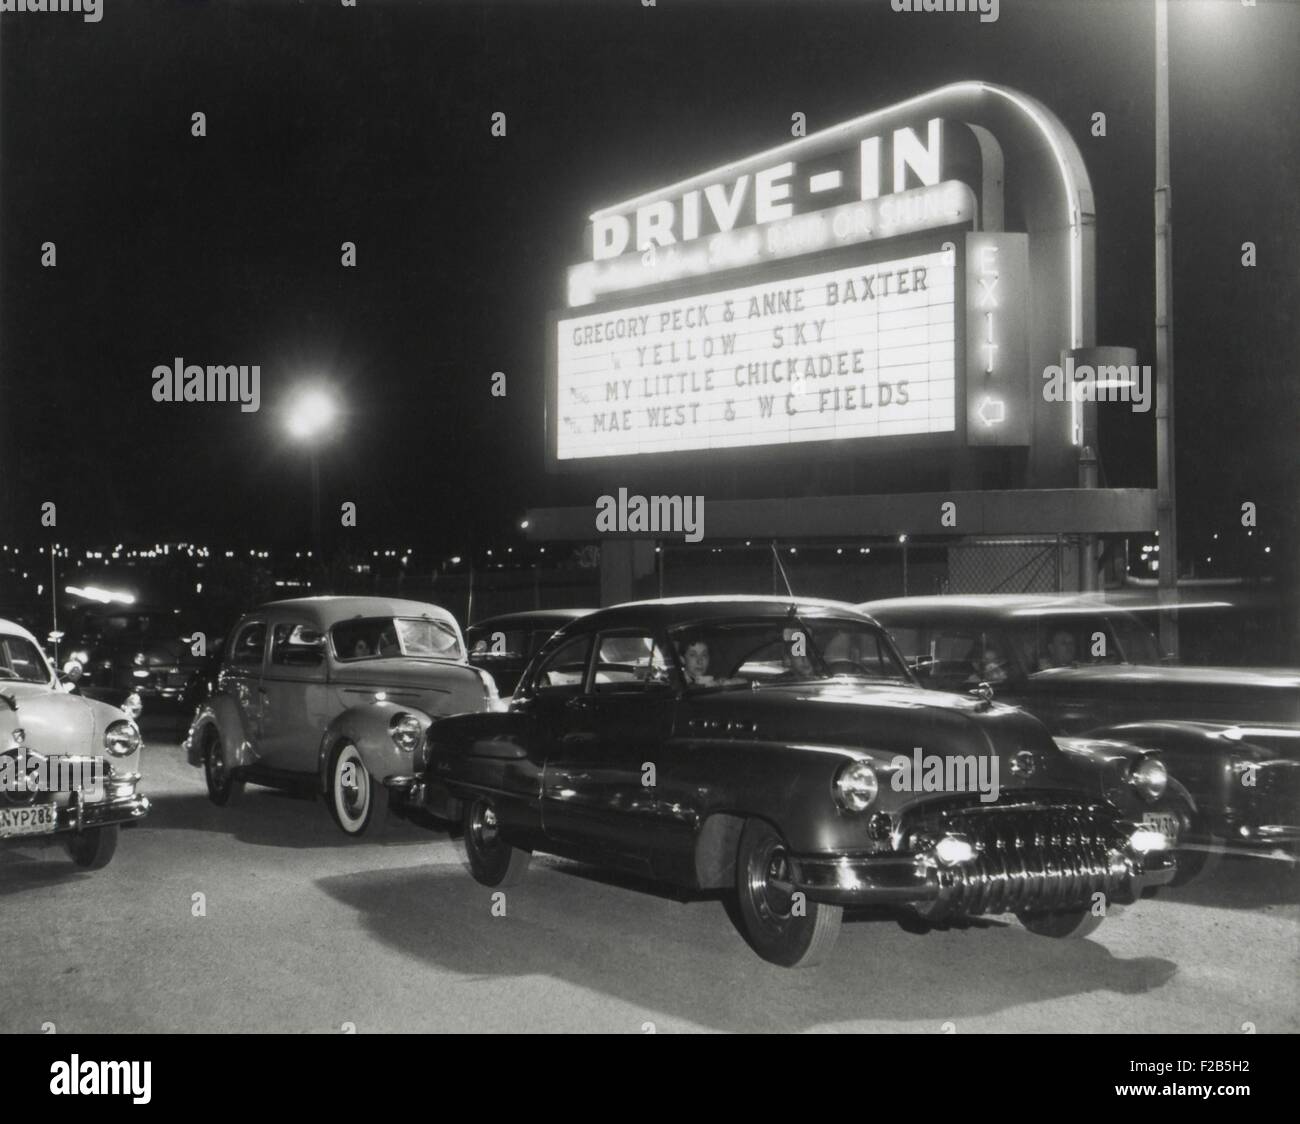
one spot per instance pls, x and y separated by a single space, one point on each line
37 820
1164 822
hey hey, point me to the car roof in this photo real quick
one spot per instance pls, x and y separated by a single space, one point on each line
529 616
13 628
327 611
983 607
672 611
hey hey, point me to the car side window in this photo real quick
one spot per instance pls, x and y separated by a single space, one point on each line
565 669
246 652
629 662
296 645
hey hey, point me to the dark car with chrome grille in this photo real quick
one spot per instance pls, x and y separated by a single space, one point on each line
780 750
1089 669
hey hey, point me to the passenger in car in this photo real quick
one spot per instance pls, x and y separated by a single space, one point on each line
1060 650
988 663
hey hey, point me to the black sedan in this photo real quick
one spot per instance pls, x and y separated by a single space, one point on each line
502 646
1230 735
781 749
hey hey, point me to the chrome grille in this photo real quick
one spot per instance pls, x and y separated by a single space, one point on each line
1033 856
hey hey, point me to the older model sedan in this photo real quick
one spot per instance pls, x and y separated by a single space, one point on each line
336 692
1231 736
503 646
69 766
781 748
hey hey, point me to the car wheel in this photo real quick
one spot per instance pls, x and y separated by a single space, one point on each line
93 848
780 928
224 787
492 860
1061 922
353 794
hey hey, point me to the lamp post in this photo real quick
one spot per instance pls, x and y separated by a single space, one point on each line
310 417
1166 507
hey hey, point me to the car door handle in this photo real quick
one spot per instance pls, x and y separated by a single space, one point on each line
578 702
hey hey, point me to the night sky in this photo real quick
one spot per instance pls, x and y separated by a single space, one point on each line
371 124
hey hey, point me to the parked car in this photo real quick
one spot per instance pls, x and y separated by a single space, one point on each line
1229 735
502 646
337 692
69 766
116 650
768 745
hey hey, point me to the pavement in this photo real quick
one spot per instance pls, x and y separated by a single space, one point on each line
264 917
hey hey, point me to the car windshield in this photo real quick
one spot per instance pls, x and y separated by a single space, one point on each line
744 653
21 659
385 637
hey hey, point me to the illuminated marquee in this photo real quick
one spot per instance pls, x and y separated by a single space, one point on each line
907 181
867 351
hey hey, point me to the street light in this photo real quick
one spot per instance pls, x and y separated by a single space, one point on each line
309 418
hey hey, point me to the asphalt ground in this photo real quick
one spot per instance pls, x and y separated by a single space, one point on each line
301 929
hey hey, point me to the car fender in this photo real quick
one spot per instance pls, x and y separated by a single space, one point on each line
366 726
1196 753
220 712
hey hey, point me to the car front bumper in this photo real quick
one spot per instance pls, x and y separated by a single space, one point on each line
990 882
84 815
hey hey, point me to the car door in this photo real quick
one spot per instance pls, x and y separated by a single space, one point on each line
295 695
598 785
241 680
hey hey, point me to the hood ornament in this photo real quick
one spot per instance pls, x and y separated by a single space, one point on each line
984 693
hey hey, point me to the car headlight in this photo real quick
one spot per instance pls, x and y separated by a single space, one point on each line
121 739
1150 777
856 786
405 731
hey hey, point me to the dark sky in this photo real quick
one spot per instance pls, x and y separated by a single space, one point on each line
371 124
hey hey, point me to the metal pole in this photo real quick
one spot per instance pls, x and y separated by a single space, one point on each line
315 505
54 607
1166 509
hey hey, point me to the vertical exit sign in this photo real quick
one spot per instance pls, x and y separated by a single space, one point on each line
997 351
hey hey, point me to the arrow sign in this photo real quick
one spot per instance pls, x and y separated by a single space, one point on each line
991 411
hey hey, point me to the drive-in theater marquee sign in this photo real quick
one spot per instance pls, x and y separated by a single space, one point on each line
854 284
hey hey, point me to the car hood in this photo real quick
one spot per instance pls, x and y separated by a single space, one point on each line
434 686
886 722
55 722
1254 694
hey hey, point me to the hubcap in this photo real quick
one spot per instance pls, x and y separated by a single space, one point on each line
216 765
353 794
485 826
770 886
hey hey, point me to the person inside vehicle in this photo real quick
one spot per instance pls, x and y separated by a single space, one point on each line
360 649
387 644
1060 650
988 664
695 664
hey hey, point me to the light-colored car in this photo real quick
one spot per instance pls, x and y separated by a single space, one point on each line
69 765
336 692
